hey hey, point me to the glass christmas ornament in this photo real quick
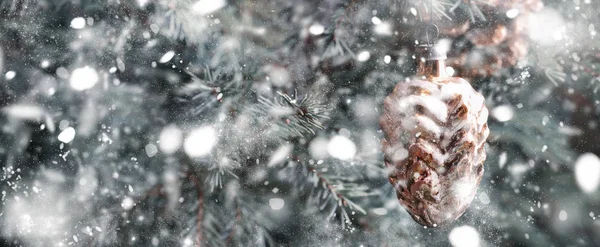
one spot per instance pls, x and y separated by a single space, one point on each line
435 128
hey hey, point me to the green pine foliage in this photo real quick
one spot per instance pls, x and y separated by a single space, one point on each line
255 123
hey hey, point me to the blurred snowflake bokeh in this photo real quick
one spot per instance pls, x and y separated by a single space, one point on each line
255 122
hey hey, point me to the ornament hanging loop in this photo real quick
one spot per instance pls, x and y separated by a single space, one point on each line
432 31
431 27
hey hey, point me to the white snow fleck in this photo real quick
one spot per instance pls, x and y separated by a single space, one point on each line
502 159
78 23
562 216
316 29
35 189
380 211
24 112
276 203
413 11
545 120
484 198
341 147
10 75
188 242
384 29
363 56
154 28
512 13
503 113
387 59
151 150
546 27
587 172
142 2
280 154
83 78
170 139
120 64
127 203
166 57
204 7
67 135
450 71
43 216
279 76
318 148
200 141
464 236
375 20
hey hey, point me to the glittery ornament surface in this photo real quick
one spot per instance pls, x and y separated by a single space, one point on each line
434 146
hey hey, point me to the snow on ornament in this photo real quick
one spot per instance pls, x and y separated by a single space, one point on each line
435 128
587 172
83 78
200 141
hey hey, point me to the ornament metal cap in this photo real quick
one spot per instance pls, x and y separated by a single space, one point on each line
430 52
431 61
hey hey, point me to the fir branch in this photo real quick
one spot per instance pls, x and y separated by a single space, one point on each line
326 191
242 228
215 176
238 216
200 210
471 7
292 117
555 74
203 94
525 130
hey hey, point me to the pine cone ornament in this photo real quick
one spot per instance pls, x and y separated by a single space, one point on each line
487 36
496 43
435 128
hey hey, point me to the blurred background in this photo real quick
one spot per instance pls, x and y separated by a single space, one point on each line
255 123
